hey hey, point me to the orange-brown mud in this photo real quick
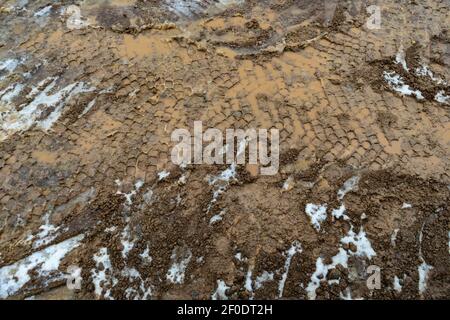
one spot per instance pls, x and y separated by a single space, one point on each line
86 116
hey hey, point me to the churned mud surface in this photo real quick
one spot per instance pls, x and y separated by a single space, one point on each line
90 92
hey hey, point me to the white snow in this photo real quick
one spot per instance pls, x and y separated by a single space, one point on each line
127 241
74 18
111 229
221 183
239 257
424 71
295 248
264 277
45 262
139 183
288 184
177 271
363 246
349 185
88 107
48 232
442 98
225 176
162 175
400 58
217 218
11 92
142 293
406 205
102 276
220 293
396 82
394 237
194 7
317 214
340 213
44 11
322 271
249 282
182 180
397 285
145 256
8 65
423 270
129 196
13 121
148 197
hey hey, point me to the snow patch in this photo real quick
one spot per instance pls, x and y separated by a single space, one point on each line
349 185
397 285
239 257
317 214
322 270
264 277
406 205
129 196
423 270
340 213
442 98
44 12
288 184
249 282
48 232
191 8
400 58
102 276
394 237
48 99
295 248
217 218
145 256
221 183
177 271
127 241
396 82
142 293
44 262
11 92
162 175
363 246
224 176
425 71
220 293
7 66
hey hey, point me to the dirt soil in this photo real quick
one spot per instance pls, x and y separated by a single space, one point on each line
90 92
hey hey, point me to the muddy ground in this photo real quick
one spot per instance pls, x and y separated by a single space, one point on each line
90 92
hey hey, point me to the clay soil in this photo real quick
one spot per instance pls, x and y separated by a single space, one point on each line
150 67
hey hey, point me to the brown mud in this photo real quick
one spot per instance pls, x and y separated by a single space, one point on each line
113 90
